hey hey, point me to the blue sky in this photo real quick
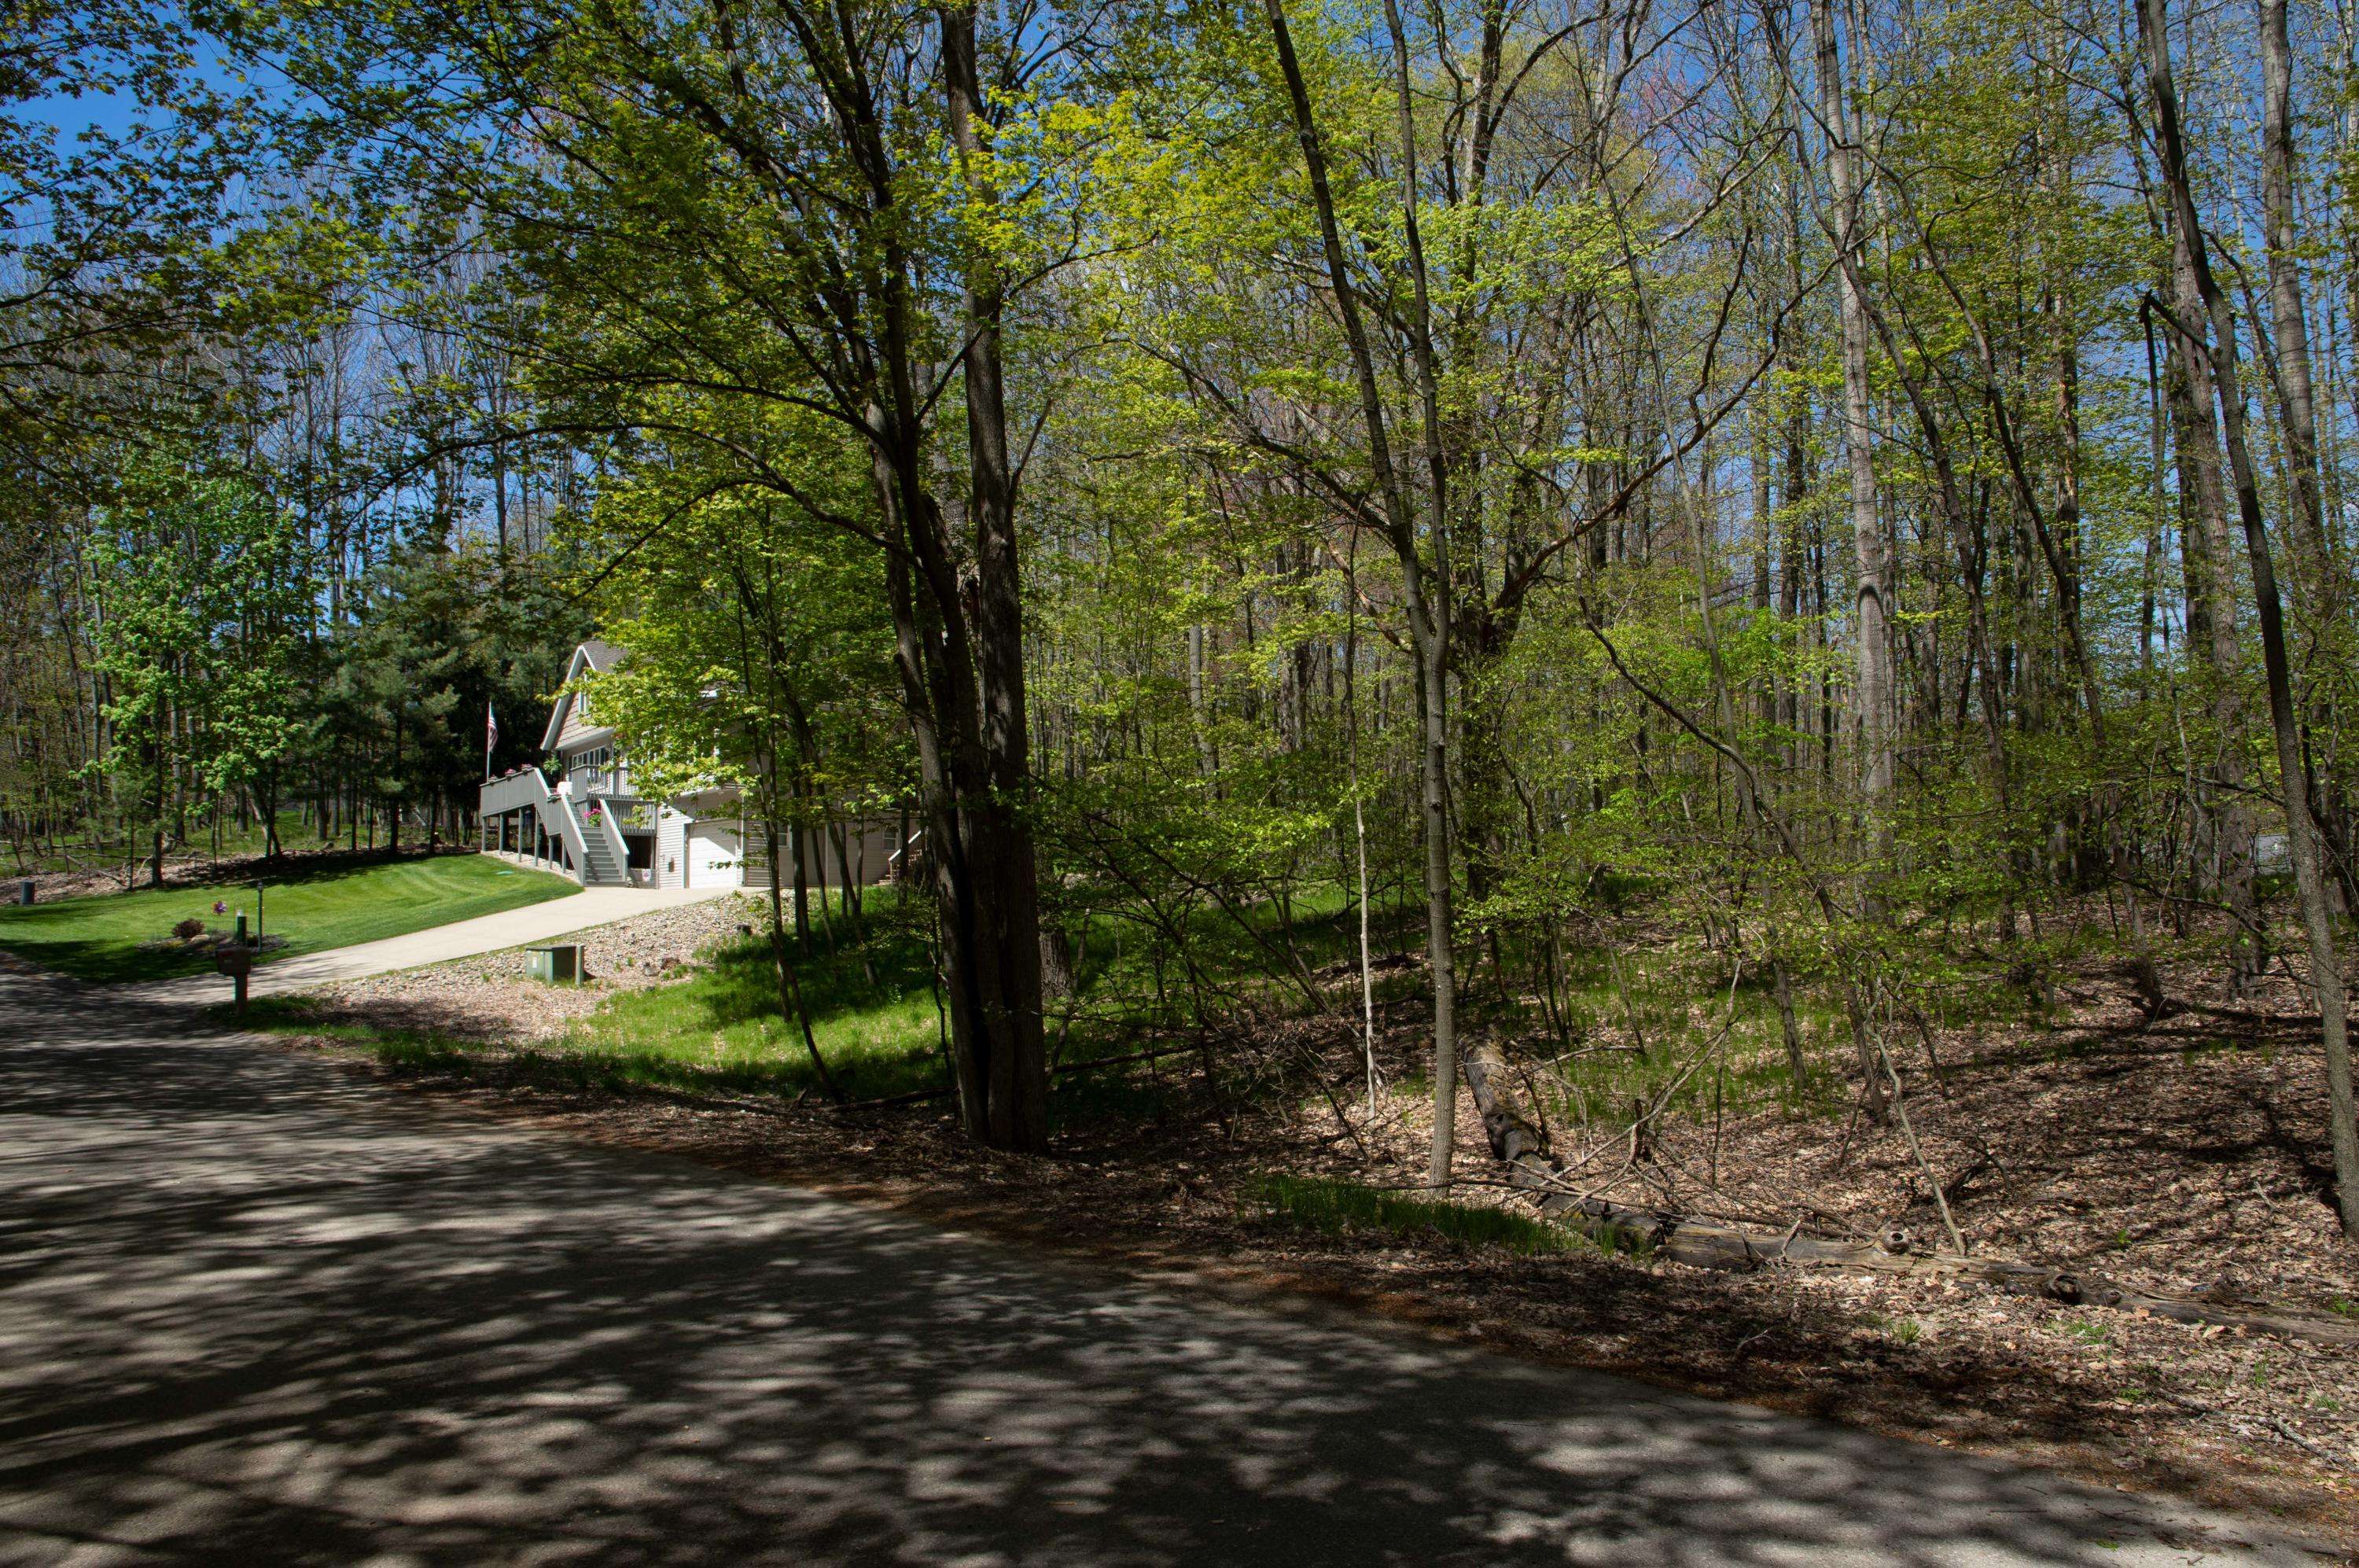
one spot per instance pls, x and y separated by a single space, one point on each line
114 113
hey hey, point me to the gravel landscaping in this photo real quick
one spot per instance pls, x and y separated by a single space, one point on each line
493 999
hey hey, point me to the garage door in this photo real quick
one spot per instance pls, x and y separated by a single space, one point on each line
716 856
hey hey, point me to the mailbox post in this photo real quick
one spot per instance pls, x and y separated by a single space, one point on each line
237 963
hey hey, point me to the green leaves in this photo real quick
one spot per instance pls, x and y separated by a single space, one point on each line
204 630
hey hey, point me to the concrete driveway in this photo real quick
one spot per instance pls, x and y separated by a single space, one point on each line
255 1309
544 921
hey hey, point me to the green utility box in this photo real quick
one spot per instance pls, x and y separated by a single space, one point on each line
559 966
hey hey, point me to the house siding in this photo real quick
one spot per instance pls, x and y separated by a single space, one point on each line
671 857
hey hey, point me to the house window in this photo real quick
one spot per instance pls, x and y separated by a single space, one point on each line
640 847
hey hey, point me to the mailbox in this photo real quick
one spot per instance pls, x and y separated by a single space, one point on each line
237 963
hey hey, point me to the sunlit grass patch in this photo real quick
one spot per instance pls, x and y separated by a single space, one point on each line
871 1003
1338 1208
313 904
562 1064
416 1049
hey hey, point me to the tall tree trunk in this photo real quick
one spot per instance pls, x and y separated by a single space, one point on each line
957 627
798 845
2319 583
1871 629
156 857
2301 833
2290 322
1009 920
1426 595
2211 578
790 988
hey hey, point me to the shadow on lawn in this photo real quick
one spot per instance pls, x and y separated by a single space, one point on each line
724 1026
390 1334
719 1029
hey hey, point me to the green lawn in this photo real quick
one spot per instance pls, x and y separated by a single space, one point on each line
720 1028
874 1022
873 1014
316 906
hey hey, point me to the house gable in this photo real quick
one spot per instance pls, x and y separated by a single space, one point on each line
572 721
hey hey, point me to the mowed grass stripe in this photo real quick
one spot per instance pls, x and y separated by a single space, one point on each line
317 906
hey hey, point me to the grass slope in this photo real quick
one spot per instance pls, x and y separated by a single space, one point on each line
720 1029
874 1016
319 905
1340 1208
871 1002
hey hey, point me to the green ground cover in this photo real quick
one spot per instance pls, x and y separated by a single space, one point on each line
873 1010
871 1001
1339 1208
718 1030
1639 1025
721 1029
313 904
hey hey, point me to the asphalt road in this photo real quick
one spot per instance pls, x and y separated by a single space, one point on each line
256 1310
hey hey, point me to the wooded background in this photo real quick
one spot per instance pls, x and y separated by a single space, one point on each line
1857 481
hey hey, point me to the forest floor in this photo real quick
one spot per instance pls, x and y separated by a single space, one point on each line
72 870
2182 1152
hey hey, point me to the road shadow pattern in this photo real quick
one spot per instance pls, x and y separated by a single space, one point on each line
254 1309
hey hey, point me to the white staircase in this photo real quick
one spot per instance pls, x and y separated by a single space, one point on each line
592 846
602 861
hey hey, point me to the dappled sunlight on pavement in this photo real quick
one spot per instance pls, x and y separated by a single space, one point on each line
255 1308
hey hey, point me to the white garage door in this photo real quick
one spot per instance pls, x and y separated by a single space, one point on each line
714 855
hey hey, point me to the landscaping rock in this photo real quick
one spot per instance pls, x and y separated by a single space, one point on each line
492 997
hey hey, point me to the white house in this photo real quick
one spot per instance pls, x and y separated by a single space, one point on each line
593 826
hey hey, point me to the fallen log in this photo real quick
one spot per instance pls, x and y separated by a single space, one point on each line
1704 1244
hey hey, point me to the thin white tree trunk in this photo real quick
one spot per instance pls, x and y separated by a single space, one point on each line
1871 627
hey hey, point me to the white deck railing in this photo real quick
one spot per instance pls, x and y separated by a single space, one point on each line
524 787
554 808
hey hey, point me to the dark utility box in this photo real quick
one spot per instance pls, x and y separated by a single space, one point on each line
560 964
